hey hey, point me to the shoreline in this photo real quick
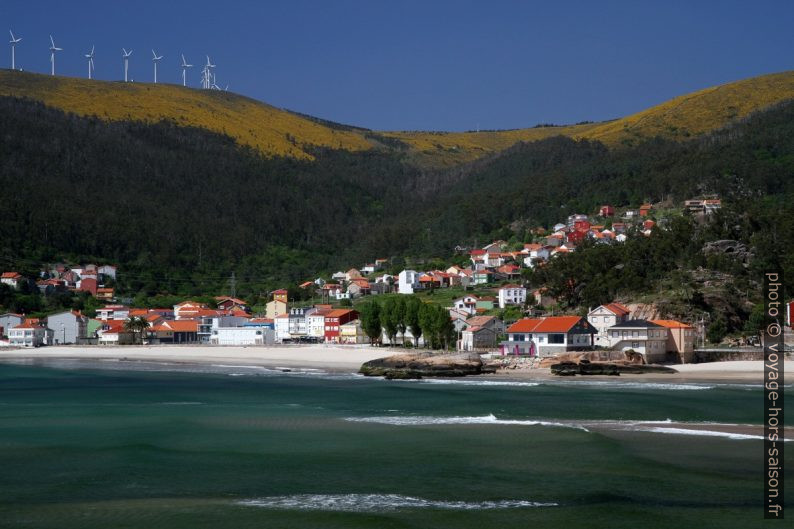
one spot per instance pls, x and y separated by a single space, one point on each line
349 358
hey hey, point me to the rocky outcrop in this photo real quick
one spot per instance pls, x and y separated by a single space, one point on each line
419 365
567 369
735 249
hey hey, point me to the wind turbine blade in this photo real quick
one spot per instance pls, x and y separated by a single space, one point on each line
12 34
52 41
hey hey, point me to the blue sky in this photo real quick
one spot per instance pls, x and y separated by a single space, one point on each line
413 65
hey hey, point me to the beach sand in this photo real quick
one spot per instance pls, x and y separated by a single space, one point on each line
349 358
327 357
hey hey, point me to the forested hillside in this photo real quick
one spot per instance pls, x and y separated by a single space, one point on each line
180 209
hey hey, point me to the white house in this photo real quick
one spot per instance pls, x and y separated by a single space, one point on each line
107 271
548 336
282 327
467 304
641 336
605 316
12 279
536 254
315 323
30 333
242 336
408 282
512 295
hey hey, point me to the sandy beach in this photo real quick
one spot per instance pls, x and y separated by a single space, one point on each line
349 358
327 357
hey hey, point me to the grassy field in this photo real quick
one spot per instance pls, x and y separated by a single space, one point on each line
275 131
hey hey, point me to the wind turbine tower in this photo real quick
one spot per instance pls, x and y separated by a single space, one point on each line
13 43
53 49
125 55
185 66
90 57
155 60
207 79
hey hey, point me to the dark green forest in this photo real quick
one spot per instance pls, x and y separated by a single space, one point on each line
181 209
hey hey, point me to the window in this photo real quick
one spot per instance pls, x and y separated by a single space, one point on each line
635 345
556 338
595 319
635 334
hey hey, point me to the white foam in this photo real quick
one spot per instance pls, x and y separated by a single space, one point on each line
639 385
419 420
705 433
472 382
379 503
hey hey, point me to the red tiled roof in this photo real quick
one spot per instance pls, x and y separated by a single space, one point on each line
338 313
617 309
178 326
11 275
477 252
549 324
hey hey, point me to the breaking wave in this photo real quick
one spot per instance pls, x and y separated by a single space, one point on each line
379 503
485 419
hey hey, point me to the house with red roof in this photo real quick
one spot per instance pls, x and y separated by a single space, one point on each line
680 339
334 320
112 332
188 310
606 211
229 303
182 331
548 336
605 316
30 333
12 279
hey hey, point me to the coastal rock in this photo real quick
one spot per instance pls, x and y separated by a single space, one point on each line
567 369
419 365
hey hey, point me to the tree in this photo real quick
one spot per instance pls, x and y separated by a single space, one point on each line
137 326
370 320
387 320
717 330
398 317
412 307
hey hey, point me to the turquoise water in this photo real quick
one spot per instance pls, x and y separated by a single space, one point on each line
170 446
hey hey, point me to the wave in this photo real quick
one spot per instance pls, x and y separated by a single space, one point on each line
639 385
473 382
379 503
705 433
485 419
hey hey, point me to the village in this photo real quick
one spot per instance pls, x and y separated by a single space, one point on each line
490 284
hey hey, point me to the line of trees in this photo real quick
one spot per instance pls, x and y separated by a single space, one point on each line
398 314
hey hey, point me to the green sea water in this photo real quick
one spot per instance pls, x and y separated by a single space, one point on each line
93 445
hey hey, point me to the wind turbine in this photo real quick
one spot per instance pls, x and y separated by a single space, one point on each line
90 57
209 75
185 66
53 49
155 60
13 43
125 55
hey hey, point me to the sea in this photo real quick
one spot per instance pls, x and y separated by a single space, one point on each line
113 444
